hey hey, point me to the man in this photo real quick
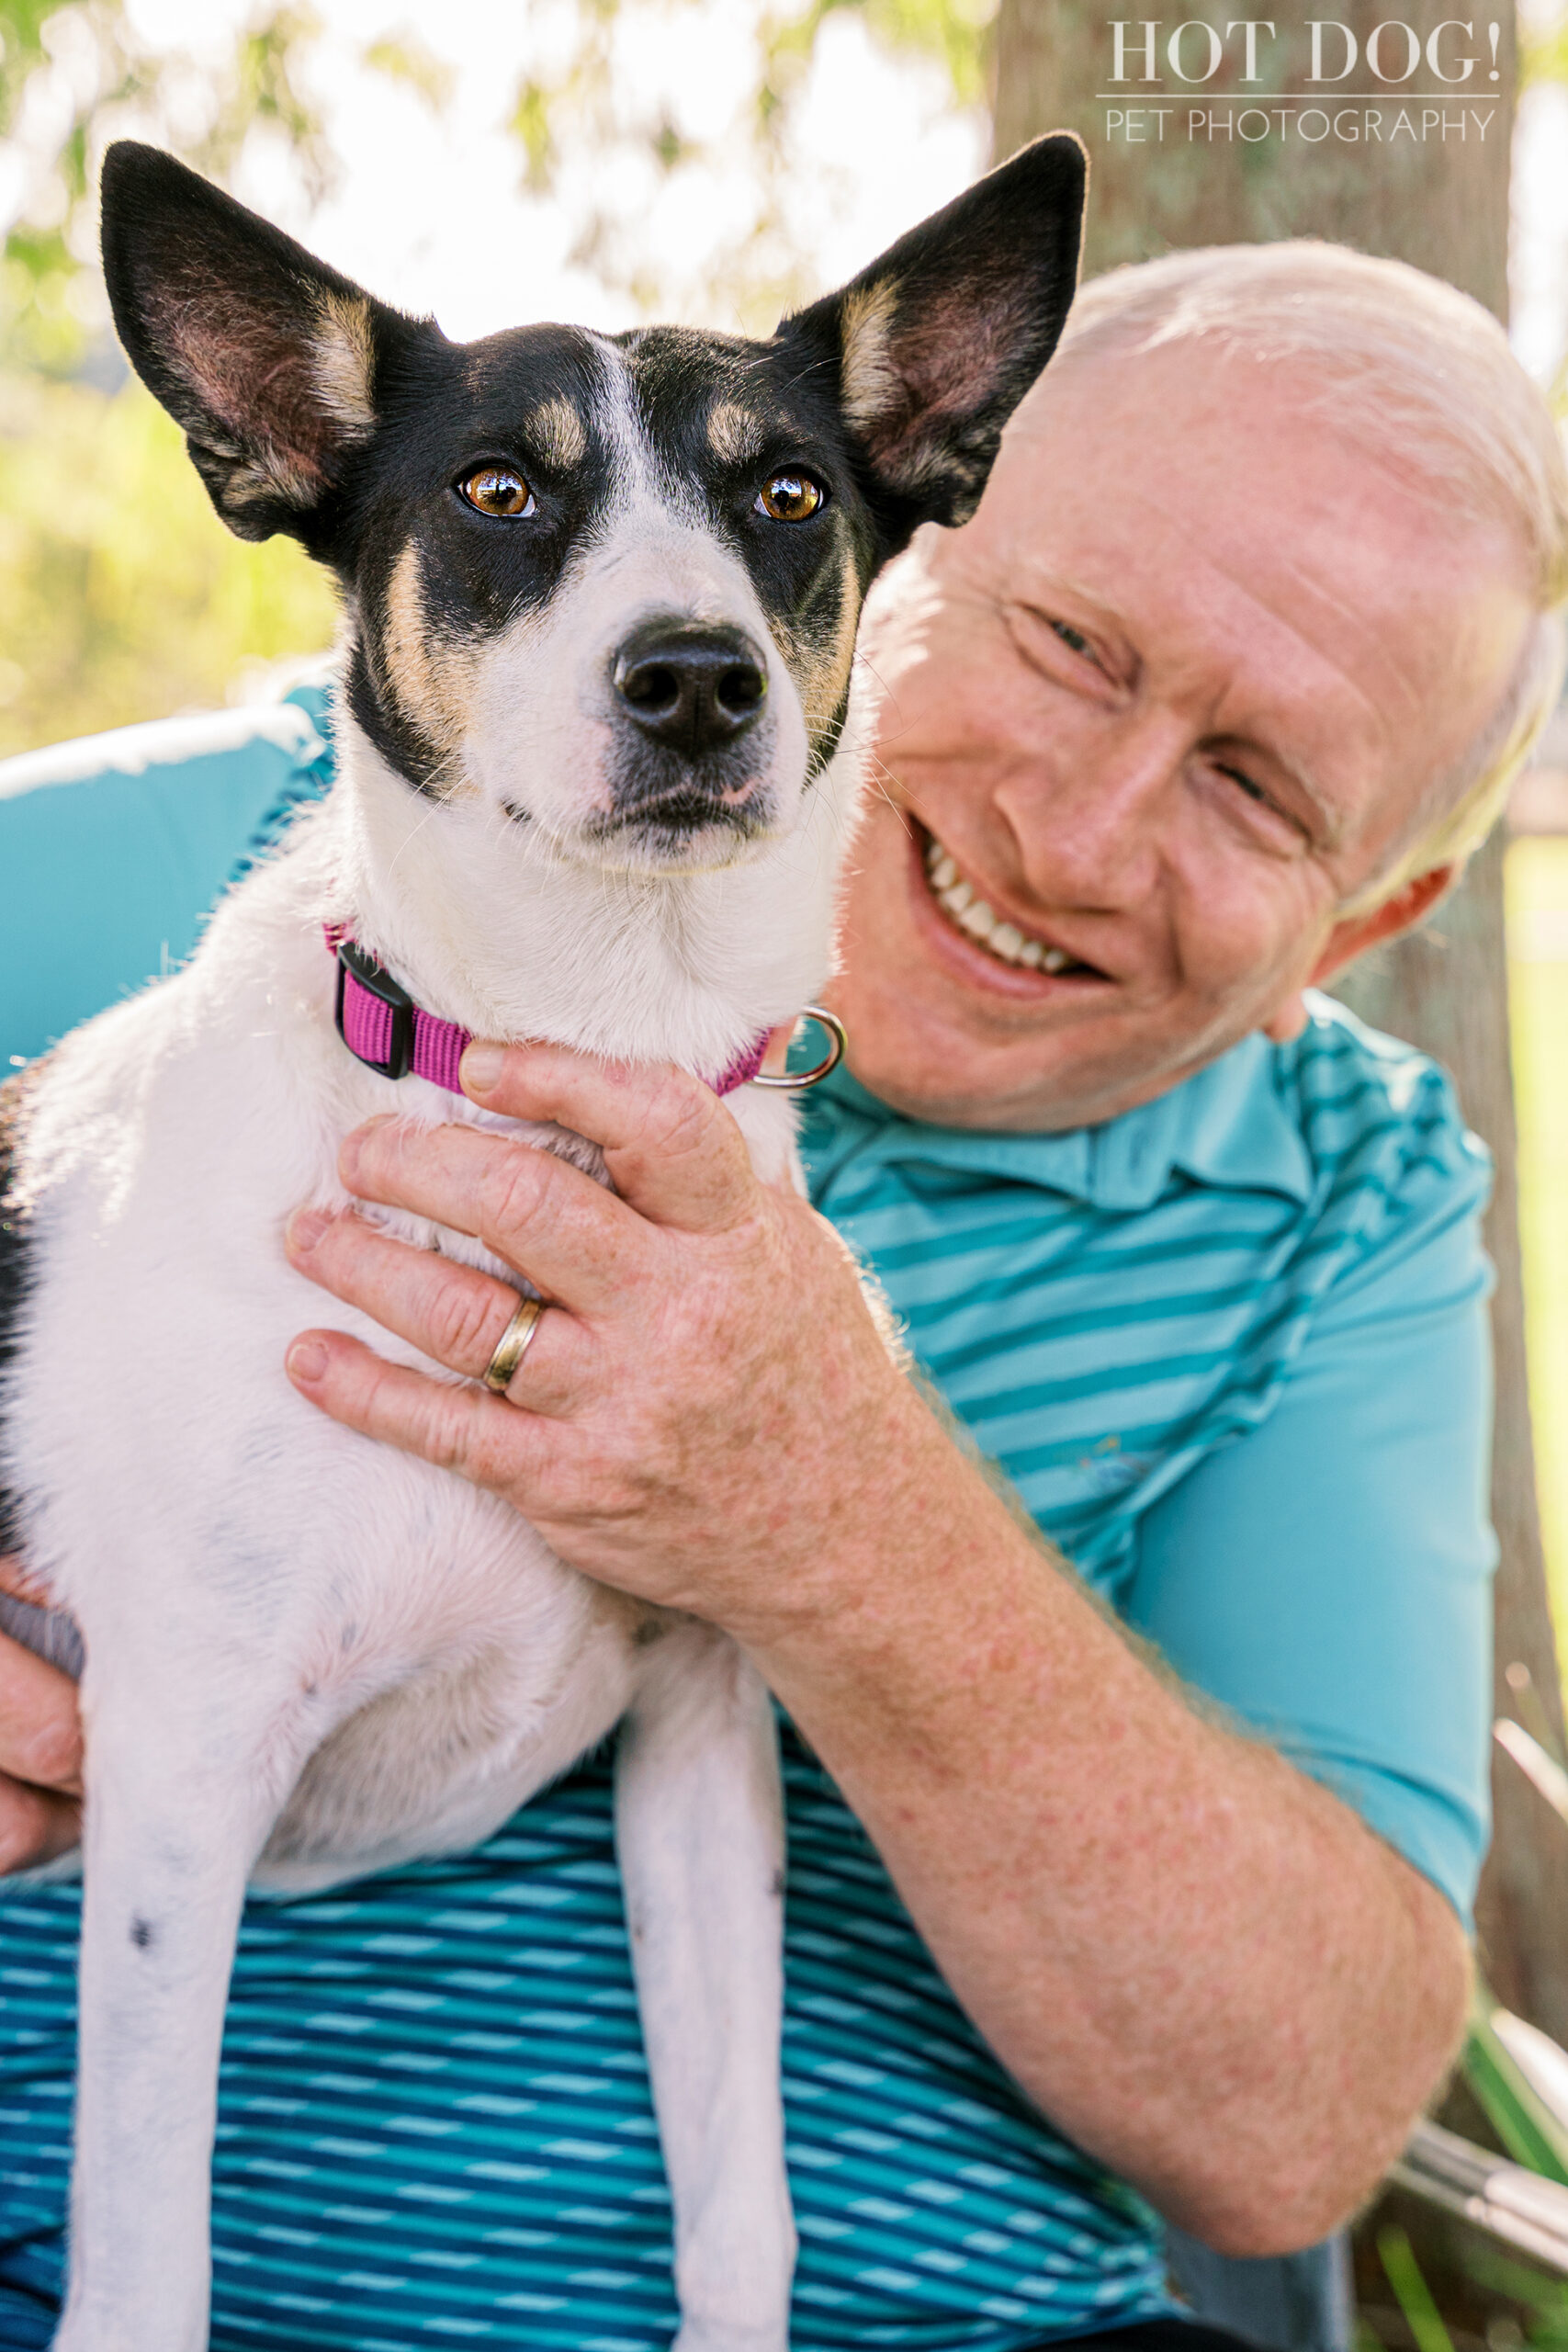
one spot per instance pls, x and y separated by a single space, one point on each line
1225 677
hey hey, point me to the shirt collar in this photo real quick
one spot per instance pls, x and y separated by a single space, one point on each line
1227 1125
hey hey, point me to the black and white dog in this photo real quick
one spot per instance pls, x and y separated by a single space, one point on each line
596 730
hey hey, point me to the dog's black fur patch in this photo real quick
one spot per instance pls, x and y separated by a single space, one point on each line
311 408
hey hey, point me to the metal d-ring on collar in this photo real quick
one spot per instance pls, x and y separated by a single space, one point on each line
796 1081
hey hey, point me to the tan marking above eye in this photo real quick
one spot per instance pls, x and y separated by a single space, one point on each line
791 495
735 436
557 432
497 490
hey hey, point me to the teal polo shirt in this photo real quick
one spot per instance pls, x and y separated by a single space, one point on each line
1229 1348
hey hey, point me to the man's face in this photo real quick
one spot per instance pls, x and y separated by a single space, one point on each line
1177 693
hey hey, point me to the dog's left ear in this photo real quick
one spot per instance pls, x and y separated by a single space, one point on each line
930 349
270 359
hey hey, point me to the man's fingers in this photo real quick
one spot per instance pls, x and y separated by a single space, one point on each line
672 1148
482 1437
41 1746
40 1730
35 1826
16 1580
569 1235
452 1313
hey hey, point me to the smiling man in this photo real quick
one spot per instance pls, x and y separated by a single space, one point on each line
1228 674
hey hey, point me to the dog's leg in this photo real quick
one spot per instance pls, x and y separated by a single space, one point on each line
700 1826
178 1803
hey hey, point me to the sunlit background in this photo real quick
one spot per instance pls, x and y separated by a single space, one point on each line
600 160
606 161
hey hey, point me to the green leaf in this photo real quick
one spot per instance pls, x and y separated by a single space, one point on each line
1410 2291
1543 56
21 46
530 126
404 58
1525 2125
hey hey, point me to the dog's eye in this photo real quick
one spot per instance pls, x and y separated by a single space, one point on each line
790 497
497 490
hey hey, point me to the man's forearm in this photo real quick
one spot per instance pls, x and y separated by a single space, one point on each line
1199 1962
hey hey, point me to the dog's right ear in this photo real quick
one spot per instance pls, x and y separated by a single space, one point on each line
930 349
266 356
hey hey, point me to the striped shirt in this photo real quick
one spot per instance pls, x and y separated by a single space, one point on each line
1229 1348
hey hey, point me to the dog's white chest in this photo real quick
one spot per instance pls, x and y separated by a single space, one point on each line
409 1657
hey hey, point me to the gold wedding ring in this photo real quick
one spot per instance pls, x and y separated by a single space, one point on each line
513 1346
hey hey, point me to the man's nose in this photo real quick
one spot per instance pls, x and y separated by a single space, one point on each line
692 689
1090 821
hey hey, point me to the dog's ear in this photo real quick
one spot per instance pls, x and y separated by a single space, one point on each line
265 355
930 349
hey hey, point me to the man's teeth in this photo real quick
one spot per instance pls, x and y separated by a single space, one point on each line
973 915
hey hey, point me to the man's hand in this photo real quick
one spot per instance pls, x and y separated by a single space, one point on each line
41 1749
1201 1965
708 1392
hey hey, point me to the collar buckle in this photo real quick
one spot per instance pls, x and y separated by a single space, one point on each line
379 1033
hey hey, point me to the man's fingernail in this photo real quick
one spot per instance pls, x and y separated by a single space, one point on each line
307 1360
482 1068
304 1229
353 1144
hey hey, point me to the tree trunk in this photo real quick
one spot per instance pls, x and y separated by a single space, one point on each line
1445 988
1441 203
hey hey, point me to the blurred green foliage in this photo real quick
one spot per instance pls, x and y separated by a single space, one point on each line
549 113
403 59
1543 48
121 595
89 52
1538 925
955 32
584 106
1411 2293
115 77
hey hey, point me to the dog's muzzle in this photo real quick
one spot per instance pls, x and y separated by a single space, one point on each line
691 710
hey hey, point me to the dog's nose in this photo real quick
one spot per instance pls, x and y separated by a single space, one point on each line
692 689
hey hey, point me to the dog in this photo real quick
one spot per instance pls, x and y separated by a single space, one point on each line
597 729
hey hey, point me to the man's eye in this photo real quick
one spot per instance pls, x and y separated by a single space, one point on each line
1074 639
497 490
1260 798
790 497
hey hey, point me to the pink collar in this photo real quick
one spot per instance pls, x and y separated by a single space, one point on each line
382 1026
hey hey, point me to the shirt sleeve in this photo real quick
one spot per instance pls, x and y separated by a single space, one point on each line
116 846
1327 1575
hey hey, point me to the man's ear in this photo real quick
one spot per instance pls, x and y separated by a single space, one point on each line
265 355
930 349
1355 934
